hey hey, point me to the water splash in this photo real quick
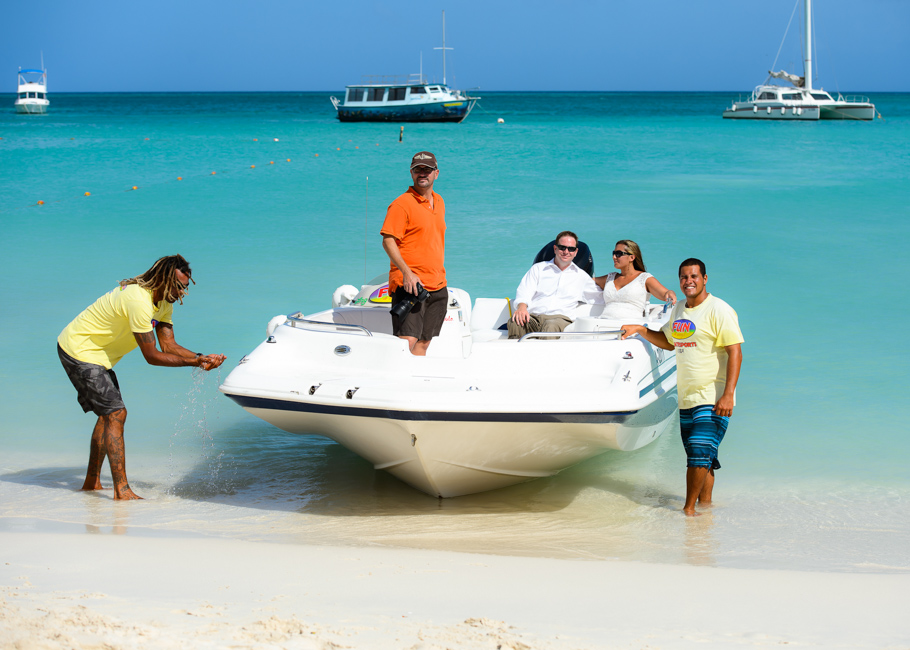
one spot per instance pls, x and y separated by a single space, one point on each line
193 430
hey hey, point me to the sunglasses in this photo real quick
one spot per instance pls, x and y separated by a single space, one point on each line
571 249
620 253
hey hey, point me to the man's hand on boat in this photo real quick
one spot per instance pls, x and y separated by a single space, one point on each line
210 361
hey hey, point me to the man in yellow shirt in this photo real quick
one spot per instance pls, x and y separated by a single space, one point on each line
704 331
130 315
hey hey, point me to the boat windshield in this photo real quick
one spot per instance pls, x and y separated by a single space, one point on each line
791 97
418 90
823 96
356 94
768 95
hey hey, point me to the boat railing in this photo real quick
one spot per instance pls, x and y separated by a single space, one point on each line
297 320
553 336
853 99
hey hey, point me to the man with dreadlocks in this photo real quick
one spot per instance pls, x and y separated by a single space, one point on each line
130 315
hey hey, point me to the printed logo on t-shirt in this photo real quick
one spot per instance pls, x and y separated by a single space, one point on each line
682 329
154 323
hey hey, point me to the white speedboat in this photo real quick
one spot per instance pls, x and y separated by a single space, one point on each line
32 94
800 101
480 411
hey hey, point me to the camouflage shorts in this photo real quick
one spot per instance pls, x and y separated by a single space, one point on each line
96 386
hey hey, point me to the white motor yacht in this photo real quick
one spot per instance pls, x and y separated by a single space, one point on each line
32 93
480 411
800 101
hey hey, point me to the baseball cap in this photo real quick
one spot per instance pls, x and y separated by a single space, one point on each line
424 159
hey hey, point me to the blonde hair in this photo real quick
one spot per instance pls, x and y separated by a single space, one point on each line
162 279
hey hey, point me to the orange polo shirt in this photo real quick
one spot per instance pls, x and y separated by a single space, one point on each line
420 232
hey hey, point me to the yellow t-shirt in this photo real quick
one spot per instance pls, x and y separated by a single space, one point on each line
700 336
103 333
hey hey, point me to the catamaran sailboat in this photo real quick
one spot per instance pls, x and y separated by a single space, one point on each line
801 101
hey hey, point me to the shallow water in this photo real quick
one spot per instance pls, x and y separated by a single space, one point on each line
803 228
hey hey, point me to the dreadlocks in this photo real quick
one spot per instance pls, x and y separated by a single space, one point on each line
162 277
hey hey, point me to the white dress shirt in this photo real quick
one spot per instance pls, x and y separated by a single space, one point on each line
548 291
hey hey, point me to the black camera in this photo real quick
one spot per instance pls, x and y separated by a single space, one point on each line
403 308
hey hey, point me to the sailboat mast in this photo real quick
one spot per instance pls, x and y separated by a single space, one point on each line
807 57
443 47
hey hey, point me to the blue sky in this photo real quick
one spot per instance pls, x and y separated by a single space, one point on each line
300 45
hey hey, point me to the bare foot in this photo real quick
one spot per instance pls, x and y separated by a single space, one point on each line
126 494
691 513
88 485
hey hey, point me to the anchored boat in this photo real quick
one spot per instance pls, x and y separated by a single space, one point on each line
480 411
801 101
399 99
32 92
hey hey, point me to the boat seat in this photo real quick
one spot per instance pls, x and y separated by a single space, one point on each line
377 319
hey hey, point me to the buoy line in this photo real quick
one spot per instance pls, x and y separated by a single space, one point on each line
132 188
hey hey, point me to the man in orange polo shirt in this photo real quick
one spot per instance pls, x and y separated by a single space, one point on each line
414 237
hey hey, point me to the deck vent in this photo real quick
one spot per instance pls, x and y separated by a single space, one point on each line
627 355
271 339
313 389
350 393
343 350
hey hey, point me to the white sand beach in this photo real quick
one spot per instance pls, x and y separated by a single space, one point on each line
69 590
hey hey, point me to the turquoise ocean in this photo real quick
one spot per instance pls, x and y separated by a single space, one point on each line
804 229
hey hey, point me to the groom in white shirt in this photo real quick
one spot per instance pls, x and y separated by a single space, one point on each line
549 292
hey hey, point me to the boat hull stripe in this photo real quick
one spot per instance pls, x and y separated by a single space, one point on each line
265 403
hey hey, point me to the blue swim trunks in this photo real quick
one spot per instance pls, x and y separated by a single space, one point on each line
702 430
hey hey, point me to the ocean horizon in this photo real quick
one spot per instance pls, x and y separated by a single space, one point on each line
275 204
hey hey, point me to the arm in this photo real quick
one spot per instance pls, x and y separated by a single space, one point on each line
724 405
654 338
155 357
601 281
411 280
523 296
659 291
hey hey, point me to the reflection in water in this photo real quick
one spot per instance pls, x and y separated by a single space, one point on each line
699 541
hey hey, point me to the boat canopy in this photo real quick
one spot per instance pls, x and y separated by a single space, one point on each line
31 71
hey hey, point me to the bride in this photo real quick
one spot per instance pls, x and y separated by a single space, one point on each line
626 291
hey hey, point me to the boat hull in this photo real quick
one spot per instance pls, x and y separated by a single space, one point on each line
457 453
31 109
848 111
748 111
449 111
